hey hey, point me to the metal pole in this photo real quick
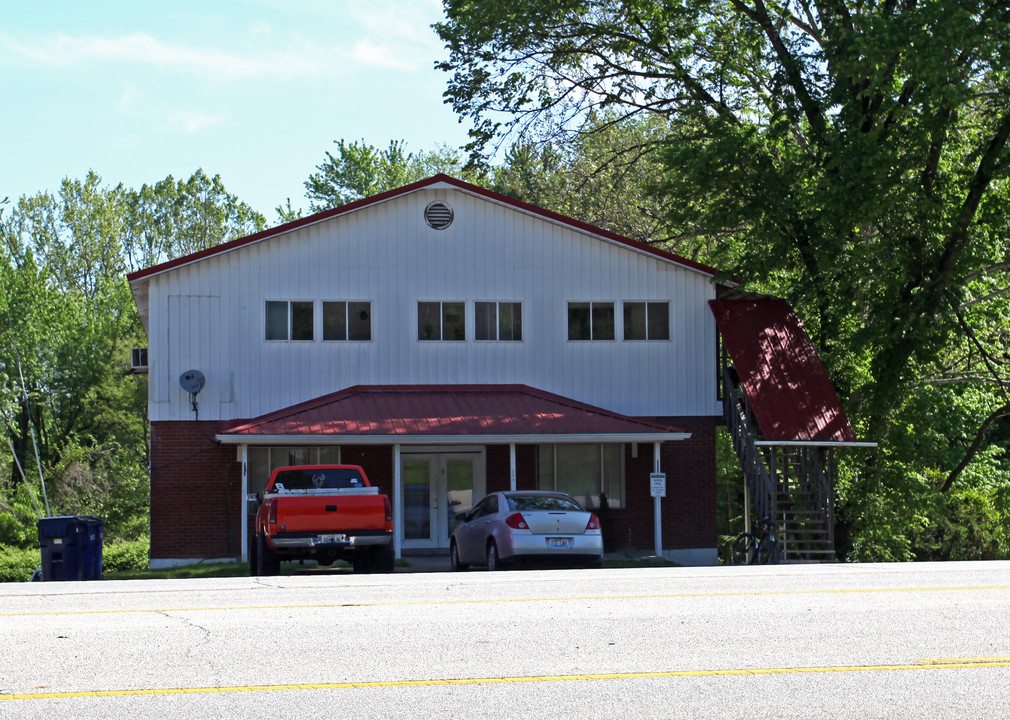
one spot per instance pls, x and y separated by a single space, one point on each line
658 511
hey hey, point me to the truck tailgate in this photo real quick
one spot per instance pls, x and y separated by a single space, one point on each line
337 513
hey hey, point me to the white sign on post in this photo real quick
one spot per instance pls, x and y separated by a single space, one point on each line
658 483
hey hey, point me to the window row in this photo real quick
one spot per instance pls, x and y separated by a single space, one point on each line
446 321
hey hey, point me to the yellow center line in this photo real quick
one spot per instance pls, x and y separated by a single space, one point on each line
953 663
482 601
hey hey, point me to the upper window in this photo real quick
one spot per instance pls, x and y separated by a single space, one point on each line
289 320
590 321
646 321
347 320
441 321
498 320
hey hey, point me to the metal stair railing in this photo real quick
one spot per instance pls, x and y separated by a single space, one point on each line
766 478
758 480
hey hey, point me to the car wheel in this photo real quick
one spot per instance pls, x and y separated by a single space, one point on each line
493 561
454 564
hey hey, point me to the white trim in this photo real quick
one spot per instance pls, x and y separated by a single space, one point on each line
655 437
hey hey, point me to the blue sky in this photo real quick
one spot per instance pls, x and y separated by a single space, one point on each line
253 90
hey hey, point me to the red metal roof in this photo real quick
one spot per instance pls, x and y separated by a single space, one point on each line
788 388
420 185
445 410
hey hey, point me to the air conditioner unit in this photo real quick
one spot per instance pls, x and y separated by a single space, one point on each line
138 360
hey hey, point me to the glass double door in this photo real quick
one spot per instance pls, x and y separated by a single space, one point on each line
438 489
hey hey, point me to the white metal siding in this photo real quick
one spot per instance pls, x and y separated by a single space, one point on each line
210 315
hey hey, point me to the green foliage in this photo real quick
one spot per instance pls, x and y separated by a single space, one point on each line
177 217
853 158
359 170
67 323
18 564
126 555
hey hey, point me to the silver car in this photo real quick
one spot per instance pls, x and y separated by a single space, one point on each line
523 526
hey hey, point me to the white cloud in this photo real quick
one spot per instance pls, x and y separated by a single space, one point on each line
143 49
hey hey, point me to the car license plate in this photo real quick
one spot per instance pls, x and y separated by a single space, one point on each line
324 539
559 543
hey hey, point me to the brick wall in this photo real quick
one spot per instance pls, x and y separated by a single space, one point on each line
196 493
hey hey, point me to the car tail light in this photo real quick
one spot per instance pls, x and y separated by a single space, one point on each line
517 521
272 516
594 522
389 508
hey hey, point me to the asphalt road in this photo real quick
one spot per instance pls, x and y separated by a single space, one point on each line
845 641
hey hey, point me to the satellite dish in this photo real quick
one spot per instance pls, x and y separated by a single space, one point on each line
192 381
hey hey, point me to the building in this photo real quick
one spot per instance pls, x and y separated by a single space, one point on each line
450 340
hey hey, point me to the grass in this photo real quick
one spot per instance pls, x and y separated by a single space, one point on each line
215 570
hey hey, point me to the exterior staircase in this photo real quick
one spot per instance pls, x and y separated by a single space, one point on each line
785 481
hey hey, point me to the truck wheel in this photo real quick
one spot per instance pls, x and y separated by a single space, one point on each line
267 560
383 559
254 569
362 561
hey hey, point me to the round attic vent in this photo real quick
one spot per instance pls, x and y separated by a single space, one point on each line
438 215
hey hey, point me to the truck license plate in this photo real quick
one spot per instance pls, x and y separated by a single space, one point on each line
559 543
325 539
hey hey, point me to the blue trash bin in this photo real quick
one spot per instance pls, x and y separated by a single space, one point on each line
71 547
93 536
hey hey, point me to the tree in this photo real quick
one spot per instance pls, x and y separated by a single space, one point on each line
850 156
67 323
359 170
601 175
173 218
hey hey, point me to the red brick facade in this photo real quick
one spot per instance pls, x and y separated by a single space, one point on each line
196 489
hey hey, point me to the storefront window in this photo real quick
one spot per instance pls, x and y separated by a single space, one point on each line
583 471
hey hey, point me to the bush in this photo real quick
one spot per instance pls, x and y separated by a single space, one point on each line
18 564
126 555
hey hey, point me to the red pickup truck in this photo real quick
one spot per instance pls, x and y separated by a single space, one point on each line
323 513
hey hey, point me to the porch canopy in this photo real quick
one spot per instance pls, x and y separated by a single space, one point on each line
449 414
787 387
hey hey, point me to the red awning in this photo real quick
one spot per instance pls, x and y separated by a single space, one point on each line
789 391
444 413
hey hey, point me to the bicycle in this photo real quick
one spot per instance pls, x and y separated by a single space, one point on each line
762 548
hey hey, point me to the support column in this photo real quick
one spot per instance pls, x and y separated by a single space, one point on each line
657 507
397 504
243 451
512 466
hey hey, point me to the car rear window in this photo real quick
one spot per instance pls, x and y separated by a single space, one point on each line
542 502
319 478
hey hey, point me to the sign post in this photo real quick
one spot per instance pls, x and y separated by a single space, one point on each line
657 483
